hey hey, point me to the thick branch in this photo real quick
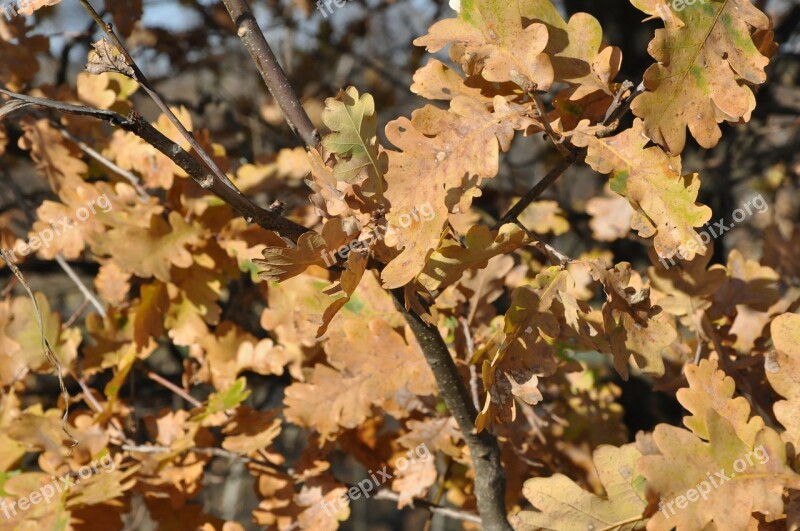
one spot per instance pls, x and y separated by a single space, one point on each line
196 170
490 480
271 72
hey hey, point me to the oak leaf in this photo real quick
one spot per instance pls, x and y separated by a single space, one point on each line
50 152
711 390
564 506
524 355
343 395
633 326
753 476
27 8
489 38
150 252
611 216
782 367
576 49
706 58
452 259
445 156
353 122
663 199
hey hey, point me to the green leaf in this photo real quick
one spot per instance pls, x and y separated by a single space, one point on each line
353 140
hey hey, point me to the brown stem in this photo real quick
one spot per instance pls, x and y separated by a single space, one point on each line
174 388
531 195
433 507
617 108
271 72
490 480
139 76
197 171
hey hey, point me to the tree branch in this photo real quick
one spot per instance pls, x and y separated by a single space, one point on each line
271 72
484 450
490 479
139 76
447 512
199 173
531 195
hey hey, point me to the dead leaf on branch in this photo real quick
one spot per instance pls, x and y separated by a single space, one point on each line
663 198
343 395
524 355
633 326
686 462
108 59
27 8
711 389
444 157
489 36
451 260
782 367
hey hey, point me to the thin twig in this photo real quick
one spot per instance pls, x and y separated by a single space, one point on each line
139 77
541 113
77 313
271 72
59 258
144 130
174 388
532 194
133 179
47 349
217 452
385 494
89 294
87 393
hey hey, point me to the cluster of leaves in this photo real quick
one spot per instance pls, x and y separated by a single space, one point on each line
180 270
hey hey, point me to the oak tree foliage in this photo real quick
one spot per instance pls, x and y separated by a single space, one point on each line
409 216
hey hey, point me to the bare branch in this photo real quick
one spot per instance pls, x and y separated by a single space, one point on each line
490 481
139 76
532 194
385 494
271 72
174 388
141 128
104 161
